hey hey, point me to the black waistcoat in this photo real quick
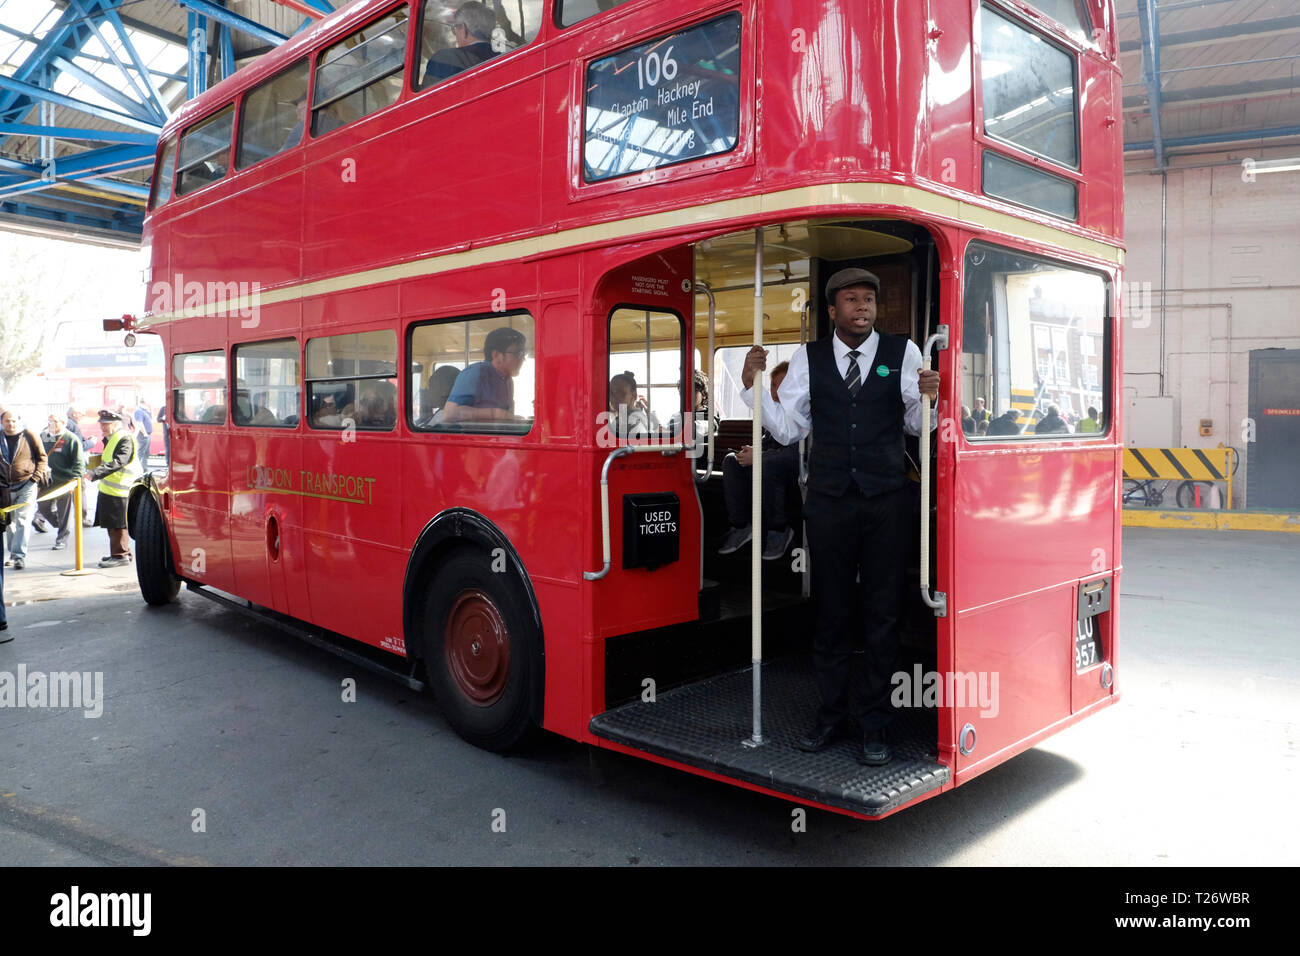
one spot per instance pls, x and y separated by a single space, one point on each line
857 440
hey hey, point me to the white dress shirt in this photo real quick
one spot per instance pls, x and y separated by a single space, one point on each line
791 418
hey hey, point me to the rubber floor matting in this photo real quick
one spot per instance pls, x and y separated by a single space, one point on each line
703 724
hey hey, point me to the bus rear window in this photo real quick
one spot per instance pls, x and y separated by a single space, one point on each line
199 387
360 74
205 152
668 100
1035 347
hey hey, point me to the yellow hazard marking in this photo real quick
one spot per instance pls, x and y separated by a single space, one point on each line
1194 464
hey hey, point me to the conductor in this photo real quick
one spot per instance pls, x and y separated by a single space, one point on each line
858 391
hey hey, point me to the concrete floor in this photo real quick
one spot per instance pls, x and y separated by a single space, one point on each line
207 711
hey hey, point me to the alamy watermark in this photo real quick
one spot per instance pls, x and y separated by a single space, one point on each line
948 689
215 299
53 690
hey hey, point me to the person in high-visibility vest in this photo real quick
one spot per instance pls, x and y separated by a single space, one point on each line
119 469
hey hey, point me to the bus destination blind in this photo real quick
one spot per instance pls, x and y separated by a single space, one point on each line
668 100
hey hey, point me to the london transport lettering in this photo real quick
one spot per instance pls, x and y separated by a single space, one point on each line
354 489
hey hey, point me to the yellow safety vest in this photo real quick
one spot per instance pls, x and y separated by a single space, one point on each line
119 483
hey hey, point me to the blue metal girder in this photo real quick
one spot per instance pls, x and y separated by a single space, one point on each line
196 78
74 132
1216 139
32 92
233 20
127 224
67 36
151 95
40 185
83 55
134 107
227 53
1149 22
95 17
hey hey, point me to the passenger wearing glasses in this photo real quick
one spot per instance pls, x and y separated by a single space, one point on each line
485 391
472 29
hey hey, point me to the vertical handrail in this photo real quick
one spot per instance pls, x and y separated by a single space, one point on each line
939 603
703 288
756 508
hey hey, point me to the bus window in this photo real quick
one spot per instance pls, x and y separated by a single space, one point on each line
727 383
205 152
457 38
266 384
352 381
570 12
1070 14
273 116
1035 347
473 375
199 388
1028 86
360 74
162 180
644 385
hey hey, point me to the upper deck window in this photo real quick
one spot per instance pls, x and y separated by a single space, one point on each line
162 180
570 12
666 101
205 151
1029 89
455 38
274 116
360 74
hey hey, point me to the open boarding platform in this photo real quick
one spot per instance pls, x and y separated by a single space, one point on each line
706 725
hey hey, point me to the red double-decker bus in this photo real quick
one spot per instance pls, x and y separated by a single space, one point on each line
405 265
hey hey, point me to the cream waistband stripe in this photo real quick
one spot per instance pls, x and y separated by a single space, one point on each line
770 204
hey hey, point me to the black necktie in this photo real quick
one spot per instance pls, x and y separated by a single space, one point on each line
853 377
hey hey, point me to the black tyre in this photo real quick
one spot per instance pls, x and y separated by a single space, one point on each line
1186 494
482 651
158 585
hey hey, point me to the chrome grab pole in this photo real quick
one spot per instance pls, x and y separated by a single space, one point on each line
756 509
939 603
805 577
702 288
604 497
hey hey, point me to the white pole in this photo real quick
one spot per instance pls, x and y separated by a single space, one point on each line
756 511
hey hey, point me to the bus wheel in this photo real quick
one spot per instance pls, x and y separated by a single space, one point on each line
152 565
481 651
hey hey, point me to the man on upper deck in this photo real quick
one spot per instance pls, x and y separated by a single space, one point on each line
485 391
472 27
857 391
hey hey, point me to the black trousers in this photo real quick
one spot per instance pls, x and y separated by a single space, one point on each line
858 547
780 479
57 511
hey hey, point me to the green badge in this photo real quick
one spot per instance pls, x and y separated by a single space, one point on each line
882 371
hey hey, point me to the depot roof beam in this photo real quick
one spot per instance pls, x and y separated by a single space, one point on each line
1220 34
1218 139
152 98
1171 7
315 9
143 94
109 92
1225 91
66 37
78 133
233 20
1149 23
12 86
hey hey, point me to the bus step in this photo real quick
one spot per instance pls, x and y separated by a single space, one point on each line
702 725
363 655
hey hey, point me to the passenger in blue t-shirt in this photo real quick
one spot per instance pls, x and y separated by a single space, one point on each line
486 390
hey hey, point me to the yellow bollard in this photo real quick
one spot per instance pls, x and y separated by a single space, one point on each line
76 513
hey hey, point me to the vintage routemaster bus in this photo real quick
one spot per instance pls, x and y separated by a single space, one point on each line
399 261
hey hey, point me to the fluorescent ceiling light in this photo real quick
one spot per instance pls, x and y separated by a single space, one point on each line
1275 166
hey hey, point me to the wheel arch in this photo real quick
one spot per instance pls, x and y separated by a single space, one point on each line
446 531
143 486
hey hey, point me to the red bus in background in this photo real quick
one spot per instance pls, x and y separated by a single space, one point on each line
347 231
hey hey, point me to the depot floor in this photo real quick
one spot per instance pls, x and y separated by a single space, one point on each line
225 741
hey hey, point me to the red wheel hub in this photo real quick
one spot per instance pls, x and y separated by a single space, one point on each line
477 645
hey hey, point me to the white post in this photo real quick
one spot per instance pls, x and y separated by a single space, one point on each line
756 510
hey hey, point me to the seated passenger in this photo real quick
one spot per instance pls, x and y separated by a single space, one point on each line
1006 424
378 405
780 474
1051 423
435 395
485 391
630 415
472 28
327 415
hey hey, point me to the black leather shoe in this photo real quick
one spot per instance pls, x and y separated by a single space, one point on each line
875 752
819 738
